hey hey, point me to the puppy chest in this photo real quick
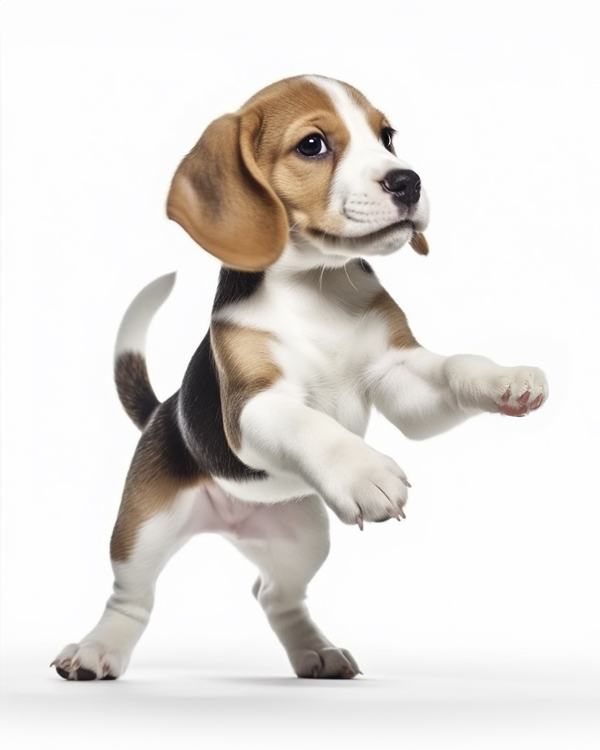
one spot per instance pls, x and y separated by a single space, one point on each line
321 338
326 372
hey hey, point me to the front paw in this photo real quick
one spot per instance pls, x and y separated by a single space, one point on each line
365 485
482 384
525 389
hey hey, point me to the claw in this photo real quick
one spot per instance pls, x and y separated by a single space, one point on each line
65 663
402 513
406 482
524 398
359 520
315 671
393 513
537 403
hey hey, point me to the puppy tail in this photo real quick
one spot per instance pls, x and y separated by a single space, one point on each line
131 374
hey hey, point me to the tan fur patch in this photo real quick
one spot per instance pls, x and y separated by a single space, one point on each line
291 110
245 367
160 468
399 333
419 243
221 198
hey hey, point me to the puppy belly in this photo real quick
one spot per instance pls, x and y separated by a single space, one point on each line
215 511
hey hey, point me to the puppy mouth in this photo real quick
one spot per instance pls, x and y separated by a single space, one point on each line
359 242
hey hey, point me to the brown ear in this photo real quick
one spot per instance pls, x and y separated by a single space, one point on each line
419 243
222 200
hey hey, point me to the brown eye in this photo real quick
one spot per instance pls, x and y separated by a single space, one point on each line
387 138
312 145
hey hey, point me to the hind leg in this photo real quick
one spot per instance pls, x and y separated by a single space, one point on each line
161 509
105 651
292 545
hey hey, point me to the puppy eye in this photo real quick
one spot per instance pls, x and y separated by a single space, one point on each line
387 138
312 145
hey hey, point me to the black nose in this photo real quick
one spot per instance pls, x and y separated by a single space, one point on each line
404 184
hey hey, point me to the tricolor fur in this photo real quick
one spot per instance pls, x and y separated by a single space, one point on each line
291 193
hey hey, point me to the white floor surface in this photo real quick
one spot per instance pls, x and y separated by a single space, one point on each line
241 700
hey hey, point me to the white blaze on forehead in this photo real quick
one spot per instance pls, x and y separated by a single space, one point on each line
366 153
353 116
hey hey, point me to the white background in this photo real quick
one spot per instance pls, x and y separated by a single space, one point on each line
475 621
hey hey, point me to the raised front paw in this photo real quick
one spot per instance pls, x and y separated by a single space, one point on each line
524 390
479 383
362 484
514 391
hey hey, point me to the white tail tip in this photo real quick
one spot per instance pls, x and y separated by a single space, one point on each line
139 314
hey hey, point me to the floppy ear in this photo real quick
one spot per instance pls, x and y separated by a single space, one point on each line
419 243
222 200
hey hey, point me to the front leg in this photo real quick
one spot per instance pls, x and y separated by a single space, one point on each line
284 437
424 394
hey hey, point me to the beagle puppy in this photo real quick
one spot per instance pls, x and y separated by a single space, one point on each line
291 193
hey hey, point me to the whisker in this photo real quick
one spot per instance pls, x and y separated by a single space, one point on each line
348 277
321 278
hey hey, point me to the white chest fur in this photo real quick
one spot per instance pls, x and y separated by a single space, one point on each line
323 341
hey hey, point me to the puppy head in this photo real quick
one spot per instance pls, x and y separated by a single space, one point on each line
308 155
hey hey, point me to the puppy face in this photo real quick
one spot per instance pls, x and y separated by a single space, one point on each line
377 196
306 159
329 167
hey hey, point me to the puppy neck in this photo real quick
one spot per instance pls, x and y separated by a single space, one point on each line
301 255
